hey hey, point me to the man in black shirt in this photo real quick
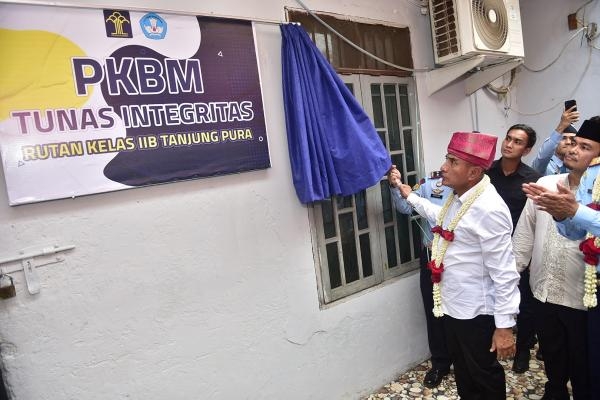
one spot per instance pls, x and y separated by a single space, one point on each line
507 175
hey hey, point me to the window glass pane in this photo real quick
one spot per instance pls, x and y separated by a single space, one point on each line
388 48
382 137
361 209
369 45
403 90
397 161
335 278
365 254
403 237
404 108
411 180
344 202
391 109
328 218
377 108
380 49
390 244
333 51
321 43
336 51
386 202
408 145
349 247
350 87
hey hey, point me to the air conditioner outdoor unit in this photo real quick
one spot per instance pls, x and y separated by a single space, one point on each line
465 28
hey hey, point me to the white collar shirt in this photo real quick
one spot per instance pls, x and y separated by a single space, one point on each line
557 267
480 275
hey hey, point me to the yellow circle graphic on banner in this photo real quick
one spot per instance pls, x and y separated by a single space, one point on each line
36 72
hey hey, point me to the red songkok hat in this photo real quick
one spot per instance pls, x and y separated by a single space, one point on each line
476 148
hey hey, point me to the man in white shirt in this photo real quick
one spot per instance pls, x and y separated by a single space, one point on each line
473 267
557 281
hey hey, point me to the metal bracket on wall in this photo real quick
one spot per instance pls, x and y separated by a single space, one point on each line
439 78
29 264
488 75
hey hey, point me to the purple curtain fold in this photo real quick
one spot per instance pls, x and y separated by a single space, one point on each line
333 145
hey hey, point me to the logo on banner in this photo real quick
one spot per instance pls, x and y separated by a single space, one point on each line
153 26
117 24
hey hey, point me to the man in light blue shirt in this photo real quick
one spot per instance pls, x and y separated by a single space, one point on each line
433 190
574 217
548 160
579 218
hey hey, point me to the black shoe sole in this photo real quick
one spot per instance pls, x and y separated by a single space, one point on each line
520 370
433 385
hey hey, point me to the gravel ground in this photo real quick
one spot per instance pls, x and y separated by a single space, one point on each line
529 385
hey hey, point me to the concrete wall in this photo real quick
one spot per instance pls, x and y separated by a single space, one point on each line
207 289
574 75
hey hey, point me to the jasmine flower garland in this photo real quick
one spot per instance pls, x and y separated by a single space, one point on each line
445 236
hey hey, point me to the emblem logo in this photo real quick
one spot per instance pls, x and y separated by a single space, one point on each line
117 24
153 26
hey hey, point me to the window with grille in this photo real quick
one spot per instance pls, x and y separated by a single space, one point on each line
361 240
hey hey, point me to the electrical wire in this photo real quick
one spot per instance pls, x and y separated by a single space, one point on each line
559 54
582 20
502 90
583 5
587 66
381 60
425 232
508 105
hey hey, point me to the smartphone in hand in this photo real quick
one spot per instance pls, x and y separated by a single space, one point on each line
569 104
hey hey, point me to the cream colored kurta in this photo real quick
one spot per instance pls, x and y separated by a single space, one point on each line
557 267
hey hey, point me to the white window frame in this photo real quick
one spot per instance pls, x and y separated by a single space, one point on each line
376 229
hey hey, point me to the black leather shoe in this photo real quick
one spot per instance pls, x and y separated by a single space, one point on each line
521 362
434 377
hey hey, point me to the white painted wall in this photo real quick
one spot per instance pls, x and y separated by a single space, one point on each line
207 289
546 33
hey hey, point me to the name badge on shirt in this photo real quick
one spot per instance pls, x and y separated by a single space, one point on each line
437 193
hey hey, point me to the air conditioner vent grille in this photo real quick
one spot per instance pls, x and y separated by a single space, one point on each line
491 22
444 27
